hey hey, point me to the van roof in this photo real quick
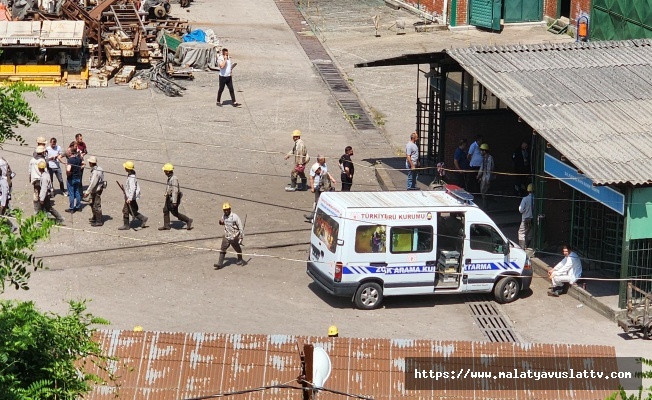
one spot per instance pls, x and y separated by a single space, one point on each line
396 199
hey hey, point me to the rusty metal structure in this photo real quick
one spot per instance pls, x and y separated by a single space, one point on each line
115 34
161 365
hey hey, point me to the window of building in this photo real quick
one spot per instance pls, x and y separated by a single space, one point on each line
486 238
413 239
371 239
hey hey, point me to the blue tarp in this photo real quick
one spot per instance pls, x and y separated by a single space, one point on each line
195 36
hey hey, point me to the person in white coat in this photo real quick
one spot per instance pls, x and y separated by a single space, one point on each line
567 270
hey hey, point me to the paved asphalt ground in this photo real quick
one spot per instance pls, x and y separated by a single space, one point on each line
165 280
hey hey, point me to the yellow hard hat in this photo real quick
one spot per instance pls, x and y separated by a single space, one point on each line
41 164
138 328
92 160
332 330
529 187
41 140
40 149
226 206
296 132
168 167
129 165
484 146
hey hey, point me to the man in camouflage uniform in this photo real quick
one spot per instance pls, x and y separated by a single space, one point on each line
94 191
172 200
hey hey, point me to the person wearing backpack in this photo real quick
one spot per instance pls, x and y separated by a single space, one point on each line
347 168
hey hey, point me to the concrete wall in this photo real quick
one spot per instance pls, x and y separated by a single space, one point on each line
500 129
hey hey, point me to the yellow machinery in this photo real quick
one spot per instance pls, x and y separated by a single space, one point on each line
43 53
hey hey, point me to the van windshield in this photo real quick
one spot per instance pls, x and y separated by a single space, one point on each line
326 229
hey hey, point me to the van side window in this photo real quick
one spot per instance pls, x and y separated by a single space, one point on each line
412 239
371 239
486 238
326 229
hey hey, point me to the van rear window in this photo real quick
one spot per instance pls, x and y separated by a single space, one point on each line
326 229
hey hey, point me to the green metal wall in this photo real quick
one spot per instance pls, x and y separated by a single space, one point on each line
522 10
621 19
639 217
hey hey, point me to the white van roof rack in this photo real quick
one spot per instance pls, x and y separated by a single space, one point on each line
460 194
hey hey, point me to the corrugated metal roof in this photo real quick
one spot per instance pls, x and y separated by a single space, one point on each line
593 101
396 199
161 365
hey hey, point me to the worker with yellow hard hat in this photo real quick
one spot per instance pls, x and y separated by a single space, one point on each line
131 191
301 158
526 209
44 200
233 235
35 175
94 191
173 197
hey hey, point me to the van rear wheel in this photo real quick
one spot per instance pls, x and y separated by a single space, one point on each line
368 296
507 290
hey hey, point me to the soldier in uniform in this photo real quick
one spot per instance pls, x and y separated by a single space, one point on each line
172 200
132 194
45 202
233 235
94 191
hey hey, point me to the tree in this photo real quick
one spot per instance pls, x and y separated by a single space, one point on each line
16 248
42 355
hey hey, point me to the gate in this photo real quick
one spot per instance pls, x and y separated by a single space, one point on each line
522 10
621 19
485 13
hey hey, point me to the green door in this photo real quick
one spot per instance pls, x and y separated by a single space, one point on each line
522 10
621 19
485 13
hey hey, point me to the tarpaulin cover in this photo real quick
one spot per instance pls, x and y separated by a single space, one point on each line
197 55
195 36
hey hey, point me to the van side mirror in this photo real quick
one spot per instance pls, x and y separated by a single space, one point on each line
506 248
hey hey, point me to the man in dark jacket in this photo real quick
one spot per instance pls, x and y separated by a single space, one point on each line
522 167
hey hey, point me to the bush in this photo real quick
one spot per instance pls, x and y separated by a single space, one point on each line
44 355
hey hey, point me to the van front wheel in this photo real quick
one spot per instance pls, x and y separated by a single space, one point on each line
506 290
368 296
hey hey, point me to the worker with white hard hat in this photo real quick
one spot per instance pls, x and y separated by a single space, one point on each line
94 191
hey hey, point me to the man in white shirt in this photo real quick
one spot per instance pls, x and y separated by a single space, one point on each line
525 230
475 162
54 157
567 270
226 67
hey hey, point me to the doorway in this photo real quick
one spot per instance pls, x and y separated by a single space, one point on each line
564 8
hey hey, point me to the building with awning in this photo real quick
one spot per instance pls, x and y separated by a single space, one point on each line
586 111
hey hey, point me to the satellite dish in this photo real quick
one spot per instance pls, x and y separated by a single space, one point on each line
321 367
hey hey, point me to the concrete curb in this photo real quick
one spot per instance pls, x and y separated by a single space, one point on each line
541 269
383 178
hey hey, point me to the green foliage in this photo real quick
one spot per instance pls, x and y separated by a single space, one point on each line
15 110
642 394
39 352
15 248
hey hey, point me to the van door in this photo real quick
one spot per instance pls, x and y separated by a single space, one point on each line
484 256
411 259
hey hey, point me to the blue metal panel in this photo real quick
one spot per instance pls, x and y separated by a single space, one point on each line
603 194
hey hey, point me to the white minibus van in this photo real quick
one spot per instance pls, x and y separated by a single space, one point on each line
369 245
